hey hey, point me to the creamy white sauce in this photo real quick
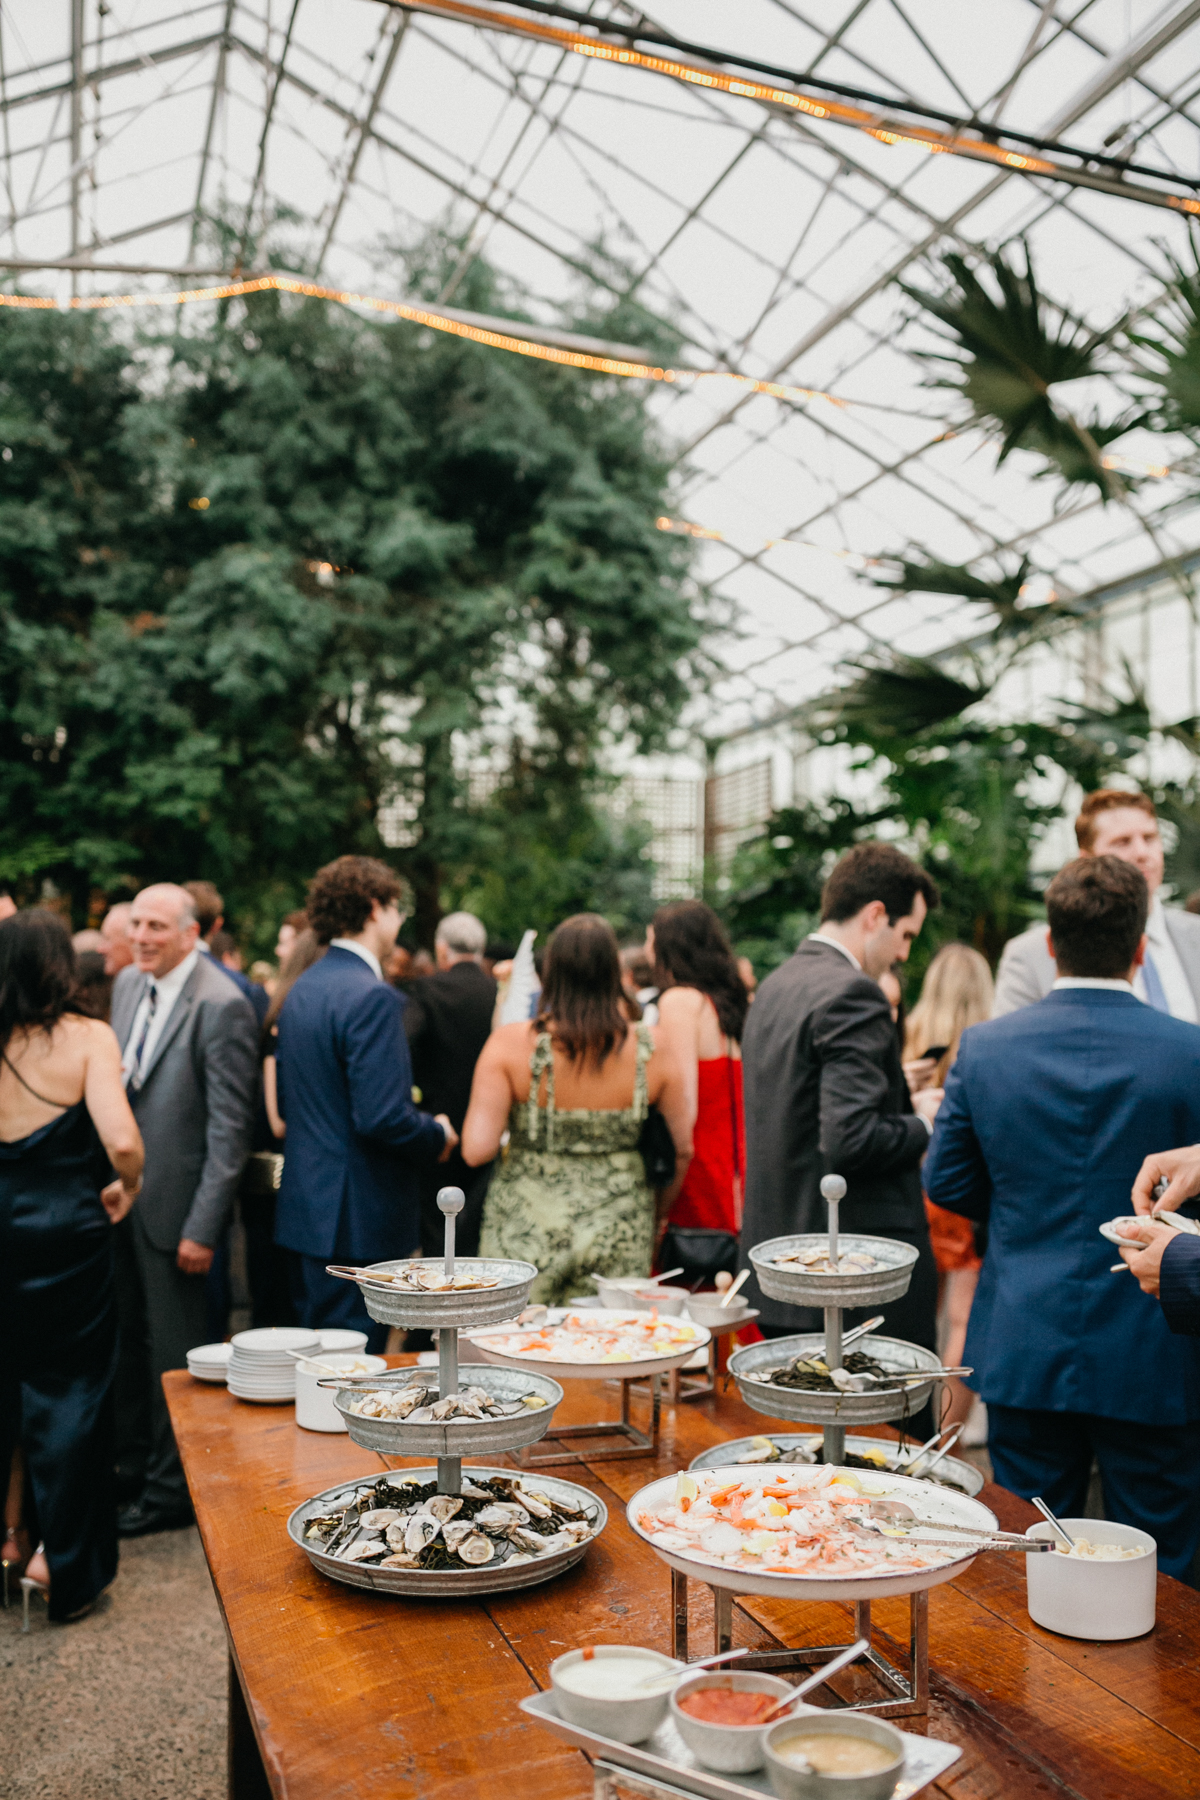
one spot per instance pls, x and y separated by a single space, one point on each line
611 1677
1101 1552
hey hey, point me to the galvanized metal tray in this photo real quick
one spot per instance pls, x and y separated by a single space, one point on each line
466 1307
962 1475
932 1505
748 1364
450 1584
464 1437
664 1756
856 1287
600 1371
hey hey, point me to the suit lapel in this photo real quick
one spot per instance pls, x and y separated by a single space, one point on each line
180 1013
130 999
1185 949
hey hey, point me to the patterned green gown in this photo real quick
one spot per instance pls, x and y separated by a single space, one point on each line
571 1194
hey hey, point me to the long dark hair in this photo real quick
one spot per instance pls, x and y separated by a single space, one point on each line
691 949
303 954
581 990
37 973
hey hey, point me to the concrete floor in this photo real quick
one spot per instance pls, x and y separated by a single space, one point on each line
128 1704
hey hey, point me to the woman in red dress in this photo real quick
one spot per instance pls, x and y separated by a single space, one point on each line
701 1012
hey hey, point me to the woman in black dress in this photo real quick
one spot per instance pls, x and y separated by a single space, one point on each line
65 1126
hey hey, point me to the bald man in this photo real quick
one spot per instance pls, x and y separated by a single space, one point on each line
189 1044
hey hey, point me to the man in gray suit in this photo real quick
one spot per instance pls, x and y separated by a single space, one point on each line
1112 822
189 1043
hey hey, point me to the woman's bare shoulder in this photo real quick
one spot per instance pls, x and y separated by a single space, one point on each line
681 1003
94 1036
510 1042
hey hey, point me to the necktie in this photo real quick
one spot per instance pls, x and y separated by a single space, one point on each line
135 1080
1156 994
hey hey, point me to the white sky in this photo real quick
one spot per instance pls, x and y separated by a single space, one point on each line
770 238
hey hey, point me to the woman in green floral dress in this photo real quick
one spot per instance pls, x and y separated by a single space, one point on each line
572 1089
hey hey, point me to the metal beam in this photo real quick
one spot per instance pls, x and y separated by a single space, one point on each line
76 122
218 95
364 131
266 127
132 65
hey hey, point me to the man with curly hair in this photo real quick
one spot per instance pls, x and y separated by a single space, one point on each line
355 1143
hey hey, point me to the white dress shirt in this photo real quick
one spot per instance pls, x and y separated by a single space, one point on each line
169 987
820 937
1180 998
368 956
1093 981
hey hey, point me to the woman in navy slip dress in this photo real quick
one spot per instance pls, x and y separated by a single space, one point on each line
58 1331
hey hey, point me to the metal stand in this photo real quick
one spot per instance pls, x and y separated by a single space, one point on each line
696 1386
907 1694
636 1444
449 1468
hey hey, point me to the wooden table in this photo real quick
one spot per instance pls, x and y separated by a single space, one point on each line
336 1694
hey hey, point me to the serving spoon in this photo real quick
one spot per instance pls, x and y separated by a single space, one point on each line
671 1676
1050 1519
849 1655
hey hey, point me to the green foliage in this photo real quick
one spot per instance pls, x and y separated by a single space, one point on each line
1174 348
774 897
261 574
1007 354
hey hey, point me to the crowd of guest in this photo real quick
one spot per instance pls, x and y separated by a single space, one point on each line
603 1109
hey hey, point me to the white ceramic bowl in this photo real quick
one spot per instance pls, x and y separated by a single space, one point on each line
706 1309
632 1294
1081 1598
627 1719
791 1783
731 1749
335 1337
315 1410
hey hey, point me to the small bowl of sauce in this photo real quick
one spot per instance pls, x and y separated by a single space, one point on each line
604 1688
719 1717
832 1756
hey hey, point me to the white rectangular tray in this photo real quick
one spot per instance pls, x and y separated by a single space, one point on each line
664 1756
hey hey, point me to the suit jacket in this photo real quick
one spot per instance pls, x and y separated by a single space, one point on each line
355 1141
1179 1285
825 1093
1027 970
447 1022
1047 1117
195 1107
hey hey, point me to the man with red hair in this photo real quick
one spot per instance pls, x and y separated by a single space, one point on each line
1113 822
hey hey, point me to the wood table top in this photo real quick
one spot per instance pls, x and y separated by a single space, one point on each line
383 1698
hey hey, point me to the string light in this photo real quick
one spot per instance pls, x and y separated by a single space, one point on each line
419 315
916 136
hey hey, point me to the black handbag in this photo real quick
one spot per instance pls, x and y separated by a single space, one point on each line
700 1252
657 1148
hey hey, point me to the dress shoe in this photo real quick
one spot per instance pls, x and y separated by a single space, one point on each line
139 1519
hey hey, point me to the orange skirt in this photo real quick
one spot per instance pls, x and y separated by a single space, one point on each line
952 1238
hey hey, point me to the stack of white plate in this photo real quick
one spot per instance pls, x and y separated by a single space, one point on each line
209 1362
260 1367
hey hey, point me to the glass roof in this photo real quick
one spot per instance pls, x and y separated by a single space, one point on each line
774 239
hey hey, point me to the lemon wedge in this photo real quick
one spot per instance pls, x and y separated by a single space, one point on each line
686 1487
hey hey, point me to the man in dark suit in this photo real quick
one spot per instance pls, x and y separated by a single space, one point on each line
355 1142
825 1089
447 1022
1048 1114
190 1055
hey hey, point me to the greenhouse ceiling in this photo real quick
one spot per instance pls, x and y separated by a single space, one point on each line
773 232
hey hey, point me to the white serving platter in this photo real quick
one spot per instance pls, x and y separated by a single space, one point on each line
932 1505
597 1318
664 1756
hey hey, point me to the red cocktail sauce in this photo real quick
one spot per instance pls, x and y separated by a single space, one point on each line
727 1706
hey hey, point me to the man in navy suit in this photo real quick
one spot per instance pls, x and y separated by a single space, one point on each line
1047 1115
355 1142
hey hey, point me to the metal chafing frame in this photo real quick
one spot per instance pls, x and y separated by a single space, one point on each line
908 1695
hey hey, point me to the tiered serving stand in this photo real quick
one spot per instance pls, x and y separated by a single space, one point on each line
834 1293
632 1442
447 1313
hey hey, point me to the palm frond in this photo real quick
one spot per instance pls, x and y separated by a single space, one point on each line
1003 595
897 699
1175 347
1006 353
